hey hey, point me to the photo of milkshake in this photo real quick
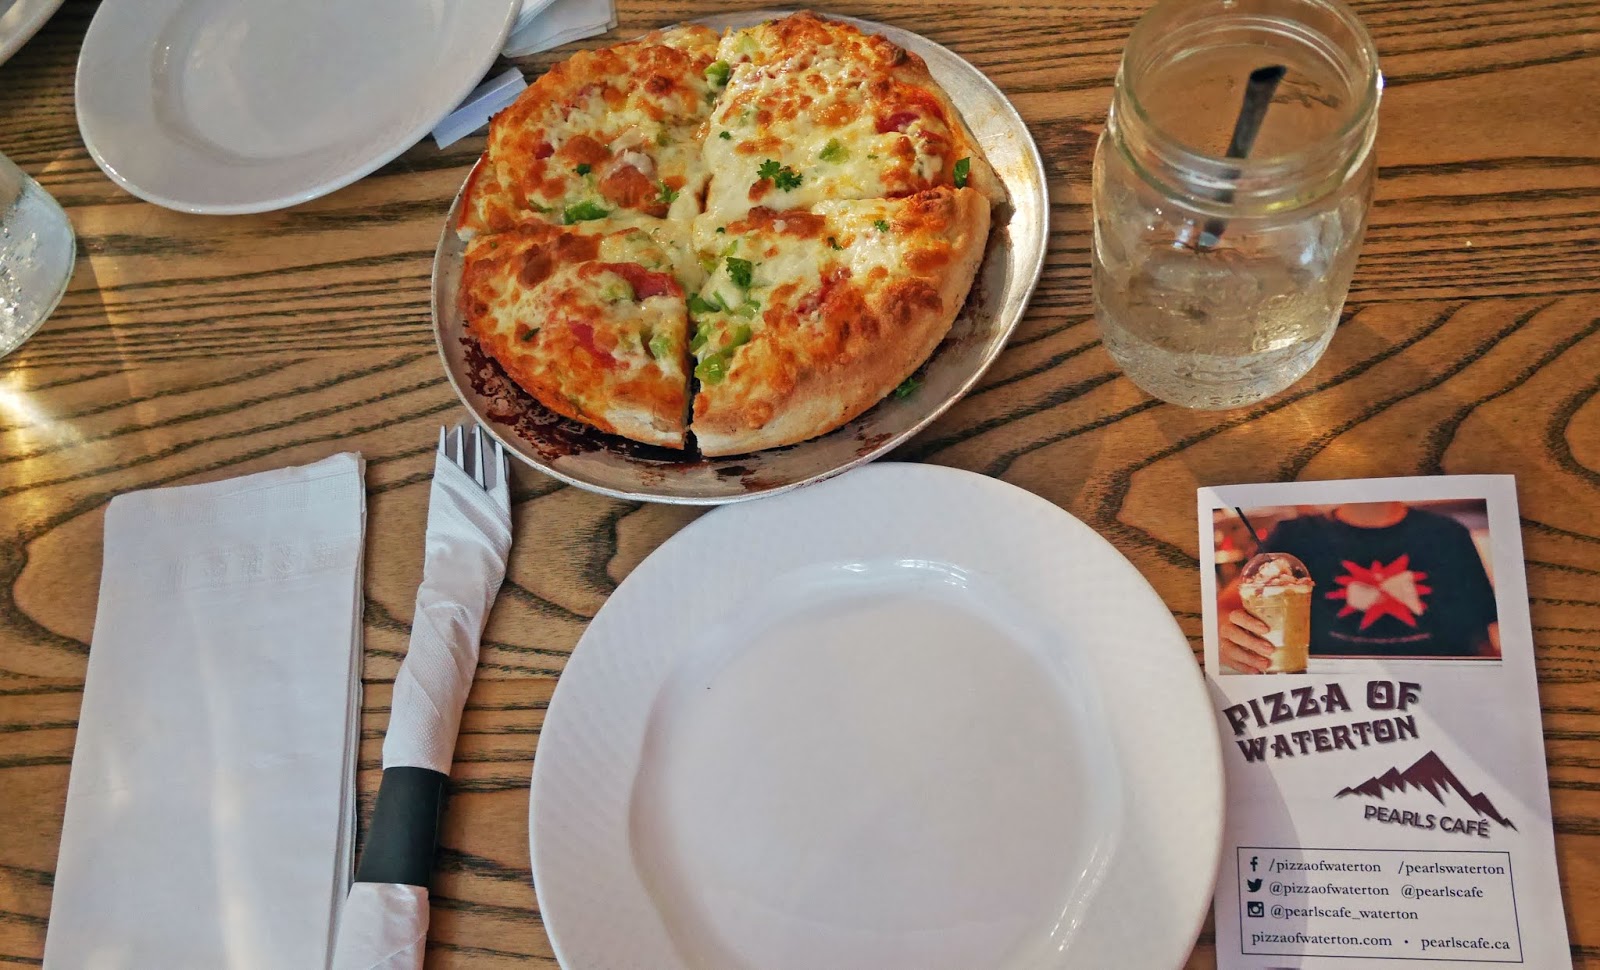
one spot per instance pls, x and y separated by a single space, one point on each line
1275 588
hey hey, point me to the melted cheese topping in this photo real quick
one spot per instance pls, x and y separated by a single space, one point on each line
800 265
831 111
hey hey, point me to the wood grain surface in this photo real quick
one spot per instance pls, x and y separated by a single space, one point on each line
193 348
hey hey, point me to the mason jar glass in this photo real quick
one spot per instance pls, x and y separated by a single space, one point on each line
1219 274
37 251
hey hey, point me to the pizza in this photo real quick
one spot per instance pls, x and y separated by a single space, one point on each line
816 110
609 131
809 318
732 243
591 319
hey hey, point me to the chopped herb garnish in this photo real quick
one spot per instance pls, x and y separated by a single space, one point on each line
584 211
872 158
748 308
907 387
737 337
717 73
713 369
962 168
583 168
881 225
617 291
660 346
833 151
669 194
834 243
725 135
740 271
782 176
700 306
722 228
662 138
529 335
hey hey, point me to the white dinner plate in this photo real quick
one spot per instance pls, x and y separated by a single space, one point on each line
911 718
20 20
229 106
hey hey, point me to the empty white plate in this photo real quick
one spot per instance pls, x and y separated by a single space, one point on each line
229 106
908 718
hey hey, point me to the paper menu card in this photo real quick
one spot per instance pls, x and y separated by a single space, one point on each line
1369 651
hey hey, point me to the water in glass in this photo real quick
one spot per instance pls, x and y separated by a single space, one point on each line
37 249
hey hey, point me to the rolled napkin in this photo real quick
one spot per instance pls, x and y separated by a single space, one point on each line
385 921
210 807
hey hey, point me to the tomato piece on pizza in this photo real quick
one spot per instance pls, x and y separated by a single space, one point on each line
807 319
590 320
605 132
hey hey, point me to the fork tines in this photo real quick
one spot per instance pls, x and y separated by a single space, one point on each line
468 454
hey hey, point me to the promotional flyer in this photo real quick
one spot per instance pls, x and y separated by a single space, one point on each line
1368 647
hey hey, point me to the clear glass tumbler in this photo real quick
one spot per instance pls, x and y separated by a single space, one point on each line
37 250
1218 280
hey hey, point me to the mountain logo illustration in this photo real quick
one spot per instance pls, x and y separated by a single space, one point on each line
1433 776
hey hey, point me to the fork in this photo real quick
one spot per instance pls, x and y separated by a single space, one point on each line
385 919
454 446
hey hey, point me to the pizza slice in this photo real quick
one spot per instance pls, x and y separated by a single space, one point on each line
816 110
589 319
607 131
807 319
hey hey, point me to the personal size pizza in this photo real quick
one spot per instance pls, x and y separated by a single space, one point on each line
747 240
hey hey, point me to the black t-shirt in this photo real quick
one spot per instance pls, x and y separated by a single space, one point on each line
1415 588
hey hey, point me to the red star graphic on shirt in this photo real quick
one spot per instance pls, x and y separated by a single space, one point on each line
1394 590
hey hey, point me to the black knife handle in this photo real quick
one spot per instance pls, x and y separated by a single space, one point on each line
405 827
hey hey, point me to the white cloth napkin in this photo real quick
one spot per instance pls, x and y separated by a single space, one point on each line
210 807
384 926
543 24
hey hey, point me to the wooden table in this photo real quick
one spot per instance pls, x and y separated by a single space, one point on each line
194 348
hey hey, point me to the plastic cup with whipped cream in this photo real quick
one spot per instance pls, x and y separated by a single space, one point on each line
1276 589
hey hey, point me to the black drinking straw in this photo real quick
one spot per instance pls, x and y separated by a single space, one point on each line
1255 537
1257 98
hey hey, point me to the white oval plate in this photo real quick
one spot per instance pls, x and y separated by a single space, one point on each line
909 718
612 466
20 20
231 106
